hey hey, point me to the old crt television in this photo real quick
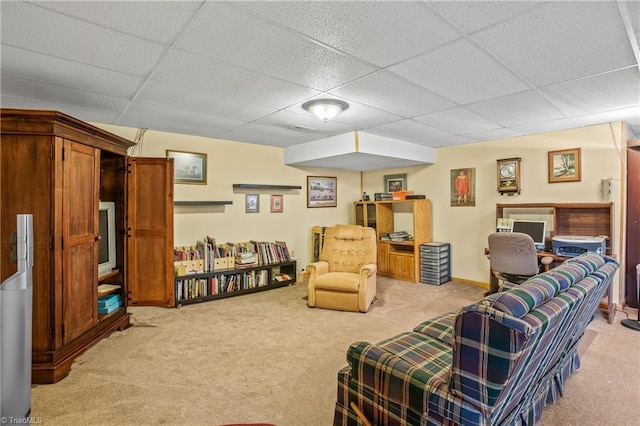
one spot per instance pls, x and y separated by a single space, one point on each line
536 229
107 241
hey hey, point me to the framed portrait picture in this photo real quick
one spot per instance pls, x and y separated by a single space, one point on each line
252 203
393 183
189 167
463 187
564 166
276 203
322 191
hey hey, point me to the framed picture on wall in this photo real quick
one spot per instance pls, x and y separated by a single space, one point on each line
564 166
322 191
276 203
252 203
393 183
463 187
189 167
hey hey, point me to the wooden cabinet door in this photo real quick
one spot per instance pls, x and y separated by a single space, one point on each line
150 231
80 192
401 266
383 257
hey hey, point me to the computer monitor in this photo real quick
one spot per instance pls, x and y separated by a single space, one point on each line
536 229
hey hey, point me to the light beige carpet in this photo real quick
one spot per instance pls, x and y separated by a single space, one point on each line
268 358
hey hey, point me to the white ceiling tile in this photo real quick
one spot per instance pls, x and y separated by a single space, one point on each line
471 16
490 135
273 135
397 95
630 115
460 72
203 102
518 108
85 114
545 126
221 32
610 91
451 141
161 23
150 115
409 131
61 72
40 30
188 70
29 89
367 30
561 41
457 121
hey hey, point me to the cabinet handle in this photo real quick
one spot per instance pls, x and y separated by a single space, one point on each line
97 238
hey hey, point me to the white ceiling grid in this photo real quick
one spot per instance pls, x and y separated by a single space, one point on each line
431 73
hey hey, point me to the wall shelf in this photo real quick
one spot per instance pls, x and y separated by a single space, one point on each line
202 203
263 186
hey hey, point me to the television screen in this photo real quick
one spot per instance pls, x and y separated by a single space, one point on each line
534 228
103 242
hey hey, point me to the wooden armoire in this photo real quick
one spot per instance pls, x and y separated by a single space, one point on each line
59 168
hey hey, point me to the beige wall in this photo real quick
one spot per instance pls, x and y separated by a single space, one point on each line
235 162
466 228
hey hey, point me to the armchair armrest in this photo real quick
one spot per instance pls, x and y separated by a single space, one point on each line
318 268
368 269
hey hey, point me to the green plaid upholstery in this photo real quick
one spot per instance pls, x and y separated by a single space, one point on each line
495 362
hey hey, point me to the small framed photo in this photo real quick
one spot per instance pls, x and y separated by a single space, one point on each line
276 203
564 165
252 203
393 183
322 191
189 167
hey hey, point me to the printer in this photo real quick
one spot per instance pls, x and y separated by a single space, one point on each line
575 245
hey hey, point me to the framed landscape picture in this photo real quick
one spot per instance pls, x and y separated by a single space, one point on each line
564 166
322 191
189 167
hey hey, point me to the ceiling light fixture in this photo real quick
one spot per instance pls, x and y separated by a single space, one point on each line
325 109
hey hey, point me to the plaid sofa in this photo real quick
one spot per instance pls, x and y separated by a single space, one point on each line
494 362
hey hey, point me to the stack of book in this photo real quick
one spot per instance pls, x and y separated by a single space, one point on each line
383 196
396 236
108 304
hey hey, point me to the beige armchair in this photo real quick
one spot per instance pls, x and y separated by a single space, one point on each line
345 277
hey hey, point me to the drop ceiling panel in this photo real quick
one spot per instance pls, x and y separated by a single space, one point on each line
489 135
272 135
151 114
471 16
61 72
85 114
285 119
29 89
410 131
518 108
450 141
197 101
629 115
188 70
367 30
457 120
393 93
460 72
161 23
614 90
221 32
561 41
545 126
40 30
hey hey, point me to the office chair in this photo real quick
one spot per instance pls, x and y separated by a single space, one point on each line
513 258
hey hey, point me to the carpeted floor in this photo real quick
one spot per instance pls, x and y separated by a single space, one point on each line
267 358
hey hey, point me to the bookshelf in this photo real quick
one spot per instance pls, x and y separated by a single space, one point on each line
397 259
202 287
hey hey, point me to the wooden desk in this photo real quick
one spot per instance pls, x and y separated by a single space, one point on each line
610 308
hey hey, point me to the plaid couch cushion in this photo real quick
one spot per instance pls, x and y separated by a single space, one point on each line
528 296
439 327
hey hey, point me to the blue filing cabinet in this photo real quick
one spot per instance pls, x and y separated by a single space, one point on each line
435 263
